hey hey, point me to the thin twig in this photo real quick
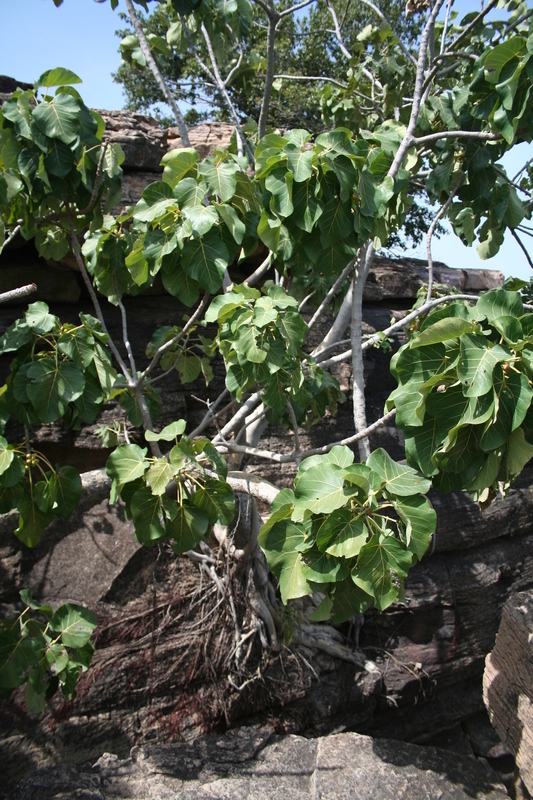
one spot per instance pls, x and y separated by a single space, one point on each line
87 281
94 195
261 270
514 233
125 337
443 210
295 429
210 413
14 233
175 339
331 293
147 53
14 294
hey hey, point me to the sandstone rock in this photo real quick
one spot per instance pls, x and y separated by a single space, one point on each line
143 141
205 138
508 682
253 764
402 279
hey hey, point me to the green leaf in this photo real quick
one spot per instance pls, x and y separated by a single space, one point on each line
220 177
179 164
159 475
156 199
349 601
335 222
74 623
320 490
187 528
6 455
441 330
235 225
380 559
402 481
499 303
127 463
67 490
78 345
59 118
17 656
169 432
216 498
202 218
205 260
38 319
147 510
279 545
52 386
519 452
59 76
342 534
420 520
178 283
321 567
477 363
300 162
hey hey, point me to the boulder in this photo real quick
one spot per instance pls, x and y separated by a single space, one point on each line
143 141
253 763
508 682
205 138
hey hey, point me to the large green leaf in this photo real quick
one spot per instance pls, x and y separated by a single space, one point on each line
401 480
127 463
420 520
6 455
320 490
205 261
216 498
38 318
67 490
74 623
155 201
17 656
59 118
300 162
187 528
499 303
279 544
179 164
342 534
78 345
59 76
148 516
202 218
477 363
320 567
220 177
441 330
32 521
379 560
52 386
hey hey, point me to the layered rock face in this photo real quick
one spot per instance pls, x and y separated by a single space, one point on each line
159 674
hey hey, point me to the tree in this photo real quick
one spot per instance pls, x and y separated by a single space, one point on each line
320 206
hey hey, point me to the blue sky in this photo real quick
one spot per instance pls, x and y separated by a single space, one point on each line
80 35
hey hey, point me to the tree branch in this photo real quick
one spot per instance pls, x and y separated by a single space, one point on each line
273 19
125 336
362 269
332 292
175 339
87 281
382 17
524 250
14 294
147 53
432 227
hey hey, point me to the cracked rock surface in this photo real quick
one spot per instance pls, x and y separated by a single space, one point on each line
253 763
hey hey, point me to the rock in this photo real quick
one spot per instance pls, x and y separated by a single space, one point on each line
144 143
402 279
205 138
9 85
508 682
254 764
